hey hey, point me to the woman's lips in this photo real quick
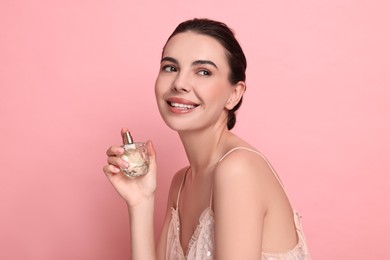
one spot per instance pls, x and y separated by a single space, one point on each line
180 105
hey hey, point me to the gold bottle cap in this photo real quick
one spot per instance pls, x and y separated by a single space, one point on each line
127 138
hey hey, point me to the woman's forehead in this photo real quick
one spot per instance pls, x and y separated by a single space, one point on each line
194 46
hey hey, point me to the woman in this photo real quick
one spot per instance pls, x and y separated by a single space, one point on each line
228 203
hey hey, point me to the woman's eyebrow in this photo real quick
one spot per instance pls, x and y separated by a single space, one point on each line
194 63
173 60
200 62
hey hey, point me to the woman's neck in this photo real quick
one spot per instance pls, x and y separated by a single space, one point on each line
203 147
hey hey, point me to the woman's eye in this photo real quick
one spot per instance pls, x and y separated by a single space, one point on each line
204 72
168 68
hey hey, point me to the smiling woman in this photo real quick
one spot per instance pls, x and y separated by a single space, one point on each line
229 202
194 71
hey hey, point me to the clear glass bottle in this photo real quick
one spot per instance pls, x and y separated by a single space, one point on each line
136 155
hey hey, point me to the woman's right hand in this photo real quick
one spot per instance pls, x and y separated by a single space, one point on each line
132 190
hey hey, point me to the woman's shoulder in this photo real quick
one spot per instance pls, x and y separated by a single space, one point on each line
244 175
243 157
244 164
238 153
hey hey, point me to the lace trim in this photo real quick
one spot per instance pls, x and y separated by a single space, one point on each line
206 218
299 252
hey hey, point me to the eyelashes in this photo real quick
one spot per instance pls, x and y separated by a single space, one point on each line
169 68
204 72
200 72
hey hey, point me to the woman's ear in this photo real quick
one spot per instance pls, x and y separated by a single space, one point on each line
236 95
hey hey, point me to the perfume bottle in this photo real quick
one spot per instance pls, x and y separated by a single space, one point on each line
136 156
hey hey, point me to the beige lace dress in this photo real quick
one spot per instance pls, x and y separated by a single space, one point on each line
201 245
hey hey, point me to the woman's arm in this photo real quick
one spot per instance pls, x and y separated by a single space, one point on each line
138 194
141 218
141 224
240 205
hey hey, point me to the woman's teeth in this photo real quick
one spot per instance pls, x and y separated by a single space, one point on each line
182 106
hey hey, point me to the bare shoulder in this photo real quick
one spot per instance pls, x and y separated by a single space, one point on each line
246 171
243 162
241 194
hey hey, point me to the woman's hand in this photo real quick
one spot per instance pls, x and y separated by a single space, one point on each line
132 190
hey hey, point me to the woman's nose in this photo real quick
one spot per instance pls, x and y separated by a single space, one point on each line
181 83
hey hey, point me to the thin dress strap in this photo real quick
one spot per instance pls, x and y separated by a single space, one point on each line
181 186
257 152
254 151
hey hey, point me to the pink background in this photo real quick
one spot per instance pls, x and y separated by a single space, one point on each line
72 73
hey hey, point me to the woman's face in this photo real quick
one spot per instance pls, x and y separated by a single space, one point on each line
192 88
